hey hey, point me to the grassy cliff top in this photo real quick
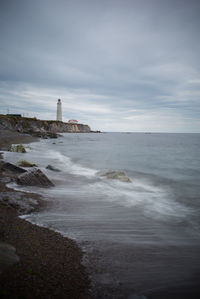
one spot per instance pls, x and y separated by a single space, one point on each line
17 119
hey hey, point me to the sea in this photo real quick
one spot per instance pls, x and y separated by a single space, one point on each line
141 239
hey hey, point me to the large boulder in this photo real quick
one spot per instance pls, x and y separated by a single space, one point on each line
13 168
116 174
34 177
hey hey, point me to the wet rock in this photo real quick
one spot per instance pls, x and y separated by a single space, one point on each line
25 163
95 131
52 135
34 177
38 134
6 180
17 200
13 168
50 167
17 148
116 174
8 256
10 195
44 135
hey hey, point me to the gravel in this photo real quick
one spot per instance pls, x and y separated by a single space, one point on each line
47 265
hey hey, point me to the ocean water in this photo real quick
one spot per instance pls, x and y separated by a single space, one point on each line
141 239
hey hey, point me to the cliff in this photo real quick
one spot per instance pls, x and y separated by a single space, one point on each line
40 128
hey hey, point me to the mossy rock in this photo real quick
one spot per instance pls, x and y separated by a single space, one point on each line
24 163
17 148
116 174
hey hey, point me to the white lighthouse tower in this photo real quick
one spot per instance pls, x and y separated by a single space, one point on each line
59 110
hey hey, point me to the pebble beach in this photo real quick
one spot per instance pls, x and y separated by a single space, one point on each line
46 264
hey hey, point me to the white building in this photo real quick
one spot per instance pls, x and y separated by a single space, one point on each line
59 110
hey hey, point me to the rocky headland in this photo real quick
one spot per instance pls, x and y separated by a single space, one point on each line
40 128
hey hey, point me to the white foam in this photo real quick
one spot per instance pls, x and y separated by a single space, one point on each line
155 201
43 156
67 165
63 163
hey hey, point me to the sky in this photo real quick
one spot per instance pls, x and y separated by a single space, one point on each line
116 65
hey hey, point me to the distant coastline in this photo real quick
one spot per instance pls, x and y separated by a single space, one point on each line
40 128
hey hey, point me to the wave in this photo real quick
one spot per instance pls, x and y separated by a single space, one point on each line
65 164
153 201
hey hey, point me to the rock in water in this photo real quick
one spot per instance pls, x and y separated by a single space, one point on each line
25 163
50 167
116 174
17 200
34 177
18 148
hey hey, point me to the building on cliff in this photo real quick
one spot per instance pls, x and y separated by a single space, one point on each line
59 110
72 121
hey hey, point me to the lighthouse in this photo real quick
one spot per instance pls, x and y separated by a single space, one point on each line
59 110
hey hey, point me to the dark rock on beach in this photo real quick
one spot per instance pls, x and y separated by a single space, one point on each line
34 177
44 135
8 256
12 167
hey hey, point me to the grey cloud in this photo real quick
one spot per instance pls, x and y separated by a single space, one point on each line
120 55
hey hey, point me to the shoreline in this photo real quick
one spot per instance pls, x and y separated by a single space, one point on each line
44 251
50 265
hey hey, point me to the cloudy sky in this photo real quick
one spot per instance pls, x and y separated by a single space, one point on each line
117 65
